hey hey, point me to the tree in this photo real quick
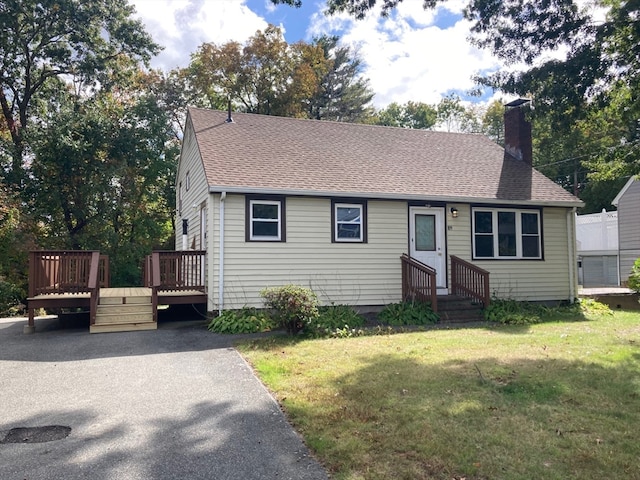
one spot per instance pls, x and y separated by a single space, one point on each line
320 80
410 115
102 177
342 94
72 39
16 233
453 116
256 76
493 122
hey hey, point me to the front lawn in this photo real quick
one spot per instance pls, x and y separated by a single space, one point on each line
554 400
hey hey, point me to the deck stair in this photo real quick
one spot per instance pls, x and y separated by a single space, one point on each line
124 310
457 309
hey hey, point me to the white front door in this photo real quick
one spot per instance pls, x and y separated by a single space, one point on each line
426 238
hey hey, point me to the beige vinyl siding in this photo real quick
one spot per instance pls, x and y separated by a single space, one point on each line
530 280
355 273
629 229
190 162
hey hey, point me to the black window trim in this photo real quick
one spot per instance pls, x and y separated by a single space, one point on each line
508 208
335 202
249 199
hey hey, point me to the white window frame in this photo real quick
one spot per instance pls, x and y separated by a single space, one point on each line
494 233
265 238
359 239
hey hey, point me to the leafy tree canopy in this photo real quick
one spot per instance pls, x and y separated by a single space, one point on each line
81 41
266 75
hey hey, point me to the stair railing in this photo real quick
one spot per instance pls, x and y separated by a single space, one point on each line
469 280
418 282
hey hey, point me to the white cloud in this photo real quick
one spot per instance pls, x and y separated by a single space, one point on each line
181 26
407 56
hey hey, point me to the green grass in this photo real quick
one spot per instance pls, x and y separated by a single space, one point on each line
554 400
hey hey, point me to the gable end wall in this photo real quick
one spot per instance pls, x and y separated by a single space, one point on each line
190 162
629 229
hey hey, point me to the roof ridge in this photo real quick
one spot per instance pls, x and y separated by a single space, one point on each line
335 122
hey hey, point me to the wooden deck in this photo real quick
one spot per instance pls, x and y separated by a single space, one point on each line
79 279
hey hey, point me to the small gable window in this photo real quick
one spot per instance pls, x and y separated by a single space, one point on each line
506 234
265 220
349 222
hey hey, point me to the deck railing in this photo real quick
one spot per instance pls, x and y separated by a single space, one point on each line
418 282
469 280
66 271
175 270
54 273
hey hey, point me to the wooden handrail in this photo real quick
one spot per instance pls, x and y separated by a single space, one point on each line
54 273
469 280
175 270
418 282
66 271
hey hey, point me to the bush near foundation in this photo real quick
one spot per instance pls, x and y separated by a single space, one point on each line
292 306
634 276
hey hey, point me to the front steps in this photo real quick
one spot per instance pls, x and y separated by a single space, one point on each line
124 310
454 309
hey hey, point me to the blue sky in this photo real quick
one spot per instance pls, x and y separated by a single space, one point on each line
412 55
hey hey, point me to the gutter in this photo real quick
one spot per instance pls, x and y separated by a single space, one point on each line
223 196
393 196
571 250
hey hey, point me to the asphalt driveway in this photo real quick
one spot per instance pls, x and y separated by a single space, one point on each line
175 403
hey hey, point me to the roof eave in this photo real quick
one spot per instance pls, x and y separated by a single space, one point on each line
617 198
393 196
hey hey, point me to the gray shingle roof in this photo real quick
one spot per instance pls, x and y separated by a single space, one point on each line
259 153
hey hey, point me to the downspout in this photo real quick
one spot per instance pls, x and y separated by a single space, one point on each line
571 248
223 196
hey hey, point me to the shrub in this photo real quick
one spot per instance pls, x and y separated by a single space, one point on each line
334 317
593 307
247 320
408 313
10 296
512 312
634 276
293 306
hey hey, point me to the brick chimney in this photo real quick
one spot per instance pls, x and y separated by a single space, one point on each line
517 131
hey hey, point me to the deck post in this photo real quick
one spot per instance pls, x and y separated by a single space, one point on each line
30 327
155 283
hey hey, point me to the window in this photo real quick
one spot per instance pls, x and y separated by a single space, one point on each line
187 181
265 220
506 233
349 222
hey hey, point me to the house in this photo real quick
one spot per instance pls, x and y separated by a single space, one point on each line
628 204
333 206
597 246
